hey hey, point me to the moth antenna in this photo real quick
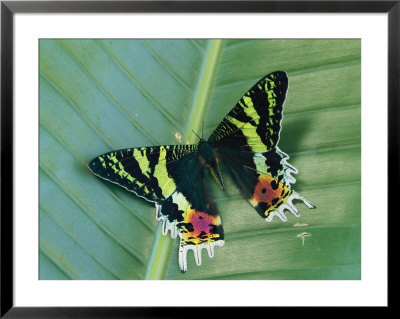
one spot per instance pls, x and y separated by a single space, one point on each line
196 134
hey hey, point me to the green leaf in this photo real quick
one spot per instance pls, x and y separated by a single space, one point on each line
101 95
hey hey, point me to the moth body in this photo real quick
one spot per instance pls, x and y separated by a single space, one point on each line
209 159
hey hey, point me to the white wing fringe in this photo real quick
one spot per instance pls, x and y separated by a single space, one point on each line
288 205
183 249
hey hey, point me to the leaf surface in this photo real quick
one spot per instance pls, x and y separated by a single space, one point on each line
101 95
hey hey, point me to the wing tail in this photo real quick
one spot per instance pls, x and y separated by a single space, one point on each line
196 229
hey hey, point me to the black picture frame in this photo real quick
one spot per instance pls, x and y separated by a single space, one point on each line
9 8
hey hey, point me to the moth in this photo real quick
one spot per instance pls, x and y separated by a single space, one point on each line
172 176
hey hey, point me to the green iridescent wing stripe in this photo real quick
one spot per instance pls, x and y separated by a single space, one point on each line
255 121
141 170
